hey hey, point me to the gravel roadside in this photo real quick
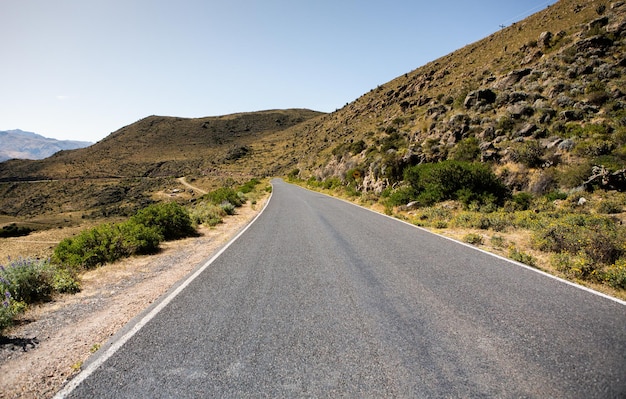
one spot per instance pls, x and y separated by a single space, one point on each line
52 340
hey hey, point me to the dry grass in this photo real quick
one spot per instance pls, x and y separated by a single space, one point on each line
497 242
40 244
72 327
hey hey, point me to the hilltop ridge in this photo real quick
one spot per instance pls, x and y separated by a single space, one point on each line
139 163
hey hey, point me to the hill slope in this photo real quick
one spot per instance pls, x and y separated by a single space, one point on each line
159 146
19 144
126 169
542 100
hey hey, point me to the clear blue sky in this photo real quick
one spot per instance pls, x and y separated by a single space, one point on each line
81 69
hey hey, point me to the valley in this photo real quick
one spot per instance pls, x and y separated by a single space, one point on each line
515 144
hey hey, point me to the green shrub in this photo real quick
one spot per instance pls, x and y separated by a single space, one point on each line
207 214
615 275
578 265
251 184
594 148
575 175
65 281
522 257
345 148
139 239
9 309
392 142
331 183
357 147
228 208
472 220
293 175
27 280
473 238
522 201
107 243
505 123
597 238
556 195
171 220
13 230
90 248
400 196
610 207
528 153
223 194
455 180
437 217
497 241
466 150
497 221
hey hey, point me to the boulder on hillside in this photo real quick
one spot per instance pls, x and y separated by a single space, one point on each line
517 96
594 45
459 124
530 58
617 28
544 41
566 145
479 98
511 78
598 23
527 130
518 110
603 178
572 115
558 88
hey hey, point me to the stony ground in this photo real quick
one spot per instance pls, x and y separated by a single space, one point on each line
52 340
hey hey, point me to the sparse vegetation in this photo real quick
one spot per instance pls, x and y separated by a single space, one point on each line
206 213
513 149
27 281
13 230
223 195
473 238
581 246
522 257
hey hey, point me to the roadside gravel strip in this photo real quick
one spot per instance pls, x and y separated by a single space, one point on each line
320 298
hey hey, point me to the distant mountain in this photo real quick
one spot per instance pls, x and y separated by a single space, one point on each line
19 144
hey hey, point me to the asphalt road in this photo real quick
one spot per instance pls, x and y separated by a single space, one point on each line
320 298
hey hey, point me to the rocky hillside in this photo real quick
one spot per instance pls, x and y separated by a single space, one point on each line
542 100
19 144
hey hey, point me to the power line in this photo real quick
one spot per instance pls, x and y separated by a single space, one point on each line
528 12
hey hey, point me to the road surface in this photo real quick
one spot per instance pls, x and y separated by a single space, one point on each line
320 298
